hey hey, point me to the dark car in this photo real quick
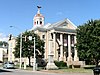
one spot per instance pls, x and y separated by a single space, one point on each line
8 65
96 70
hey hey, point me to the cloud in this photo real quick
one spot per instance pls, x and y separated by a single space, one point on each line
59 13
3 37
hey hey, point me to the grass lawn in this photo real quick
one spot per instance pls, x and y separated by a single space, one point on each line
75 70
79 70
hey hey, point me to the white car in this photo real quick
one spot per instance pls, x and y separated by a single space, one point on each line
8 65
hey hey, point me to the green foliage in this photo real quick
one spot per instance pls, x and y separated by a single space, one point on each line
88 41
28 45
60 64
3 43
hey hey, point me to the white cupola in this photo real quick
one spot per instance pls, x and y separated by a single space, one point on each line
38 19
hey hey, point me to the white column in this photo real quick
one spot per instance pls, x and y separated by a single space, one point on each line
75 50
54 42
47 46
61 47
64 56
69 49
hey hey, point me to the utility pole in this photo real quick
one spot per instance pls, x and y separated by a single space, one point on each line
34 66
20 50
34 61
20 46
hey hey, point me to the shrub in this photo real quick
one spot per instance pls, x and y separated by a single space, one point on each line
60 64
41 63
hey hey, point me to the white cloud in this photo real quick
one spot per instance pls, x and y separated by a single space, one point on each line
3 37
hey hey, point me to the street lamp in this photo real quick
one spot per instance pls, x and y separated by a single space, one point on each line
34 64
20 50
20 47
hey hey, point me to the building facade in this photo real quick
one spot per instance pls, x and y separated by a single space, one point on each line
12 43
3 53
59 38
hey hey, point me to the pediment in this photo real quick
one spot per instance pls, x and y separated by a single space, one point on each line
63 25
66 24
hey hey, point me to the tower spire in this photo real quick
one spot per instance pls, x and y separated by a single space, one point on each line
38 12
38 19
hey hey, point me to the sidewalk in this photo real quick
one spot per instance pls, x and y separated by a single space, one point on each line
65 73
51 72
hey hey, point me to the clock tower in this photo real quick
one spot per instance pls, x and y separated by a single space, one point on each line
38 19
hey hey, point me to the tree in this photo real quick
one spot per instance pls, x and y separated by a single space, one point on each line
88 41
3 43
28 46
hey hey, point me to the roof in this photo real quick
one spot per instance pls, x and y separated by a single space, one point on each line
64 25
38 15
40 29
57 24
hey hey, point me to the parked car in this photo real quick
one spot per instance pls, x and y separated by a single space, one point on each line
8 65
96 70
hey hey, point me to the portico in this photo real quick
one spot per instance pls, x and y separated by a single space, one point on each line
64 46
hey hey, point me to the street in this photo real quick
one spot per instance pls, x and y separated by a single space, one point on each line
25 72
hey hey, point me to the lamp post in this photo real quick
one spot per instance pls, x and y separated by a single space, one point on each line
20 50
20 47
34 62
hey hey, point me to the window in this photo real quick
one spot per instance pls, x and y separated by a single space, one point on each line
43 36
41 22
51 35
37 22
34 23
72 39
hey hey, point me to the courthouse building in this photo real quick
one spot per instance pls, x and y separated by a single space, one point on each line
59 38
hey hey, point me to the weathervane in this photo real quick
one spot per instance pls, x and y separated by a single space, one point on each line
38 9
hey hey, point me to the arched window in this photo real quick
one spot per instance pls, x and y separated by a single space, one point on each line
40 22
34 23
37 22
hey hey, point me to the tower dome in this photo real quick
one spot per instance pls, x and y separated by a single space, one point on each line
38 19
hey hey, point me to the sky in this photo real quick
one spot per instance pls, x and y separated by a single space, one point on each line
20 13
